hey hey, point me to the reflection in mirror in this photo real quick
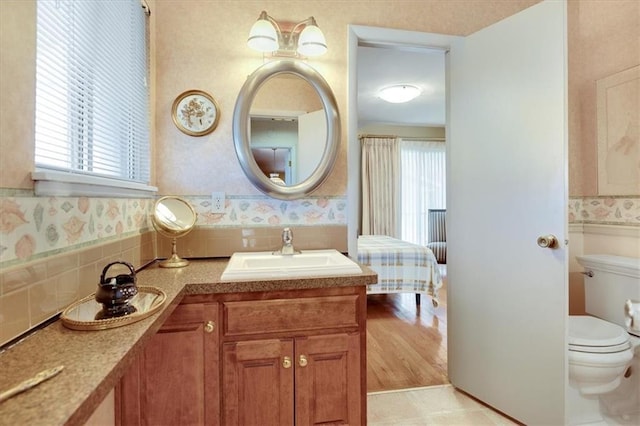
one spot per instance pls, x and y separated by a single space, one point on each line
286 129
173 217
293 125
275 163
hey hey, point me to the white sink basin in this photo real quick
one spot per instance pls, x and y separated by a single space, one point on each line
307 263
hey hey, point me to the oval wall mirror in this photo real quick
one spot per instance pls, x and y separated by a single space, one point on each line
173 217
286 129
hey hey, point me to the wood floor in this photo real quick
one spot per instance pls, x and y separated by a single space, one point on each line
406 345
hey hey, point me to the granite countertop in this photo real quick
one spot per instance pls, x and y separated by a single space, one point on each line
94 361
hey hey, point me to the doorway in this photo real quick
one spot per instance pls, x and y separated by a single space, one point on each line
407 345
419 332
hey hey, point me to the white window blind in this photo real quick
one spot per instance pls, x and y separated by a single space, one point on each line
92 96
423 186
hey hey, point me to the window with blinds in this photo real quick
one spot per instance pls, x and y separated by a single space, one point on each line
92 94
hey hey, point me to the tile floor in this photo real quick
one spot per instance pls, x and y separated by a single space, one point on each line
434 405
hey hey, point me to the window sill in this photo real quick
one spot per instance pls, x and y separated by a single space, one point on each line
49 183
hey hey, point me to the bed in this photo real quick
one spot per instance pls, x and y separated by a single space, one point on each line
402 267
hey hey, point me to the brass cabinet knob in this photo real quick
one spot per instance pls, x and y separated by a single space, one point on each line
210 326
286 362
303 361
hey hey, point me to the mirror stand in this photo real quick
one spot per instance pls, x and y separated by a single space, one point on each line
173 217
174 261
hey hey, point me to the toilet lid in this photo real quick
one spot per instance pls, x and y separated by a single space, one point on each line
590 334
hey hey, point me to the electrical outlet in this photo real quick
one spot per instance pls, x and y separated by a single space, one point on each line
217 202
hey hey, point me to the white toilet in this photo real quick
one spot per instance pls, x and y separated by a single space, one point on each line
601 350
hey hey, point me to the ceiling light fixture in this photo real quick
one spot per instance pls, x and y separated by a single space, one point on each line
286 38
400 93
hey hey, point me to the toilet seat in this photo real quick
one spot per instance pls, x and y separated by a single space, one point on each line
600 349
593 335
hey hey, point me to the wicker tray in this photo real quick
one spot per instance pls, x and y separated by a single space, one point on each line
80 315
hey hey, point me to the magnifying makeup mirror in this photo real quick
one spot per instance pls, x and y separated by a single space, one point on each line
173 217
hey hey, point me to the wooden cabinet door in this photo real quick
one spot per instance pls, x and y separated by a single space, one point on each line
328 380
175 381
258 383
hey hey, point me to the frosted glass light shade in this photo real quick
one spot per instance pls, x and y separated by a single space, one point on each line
312 42
263 36
399 94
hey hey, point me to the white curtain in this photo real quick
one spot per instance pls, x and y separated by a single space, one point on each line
423 186
380 186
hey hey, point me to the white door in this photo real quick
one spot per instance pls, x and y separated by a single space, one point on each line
507 185
312 138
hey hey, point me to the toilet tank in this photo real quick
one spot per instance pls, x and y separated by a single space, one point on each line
609 282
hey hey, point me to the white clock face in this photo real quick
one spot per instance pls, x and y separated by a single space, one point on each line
195 114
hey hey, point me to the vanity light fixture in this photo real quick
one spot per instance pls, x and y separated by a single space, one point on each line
286 38
399 93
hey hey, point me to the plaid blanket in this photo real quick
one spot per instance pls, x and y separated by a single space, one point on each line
402 267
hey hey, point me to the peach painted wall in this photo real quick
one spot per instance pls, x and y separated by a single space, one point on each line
604 39
17 87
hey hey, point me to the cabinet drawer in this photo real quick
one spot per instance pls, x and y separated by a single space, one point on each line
186 314
286 315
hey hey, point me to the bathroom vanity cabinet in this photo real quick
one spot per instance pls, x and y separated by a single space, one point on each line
274 357
175 379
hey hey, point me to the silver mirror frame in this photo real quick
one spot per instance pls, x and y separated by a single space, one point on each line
241 137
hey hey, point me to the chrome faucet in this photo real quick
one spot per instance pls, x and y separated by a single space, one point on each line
287 243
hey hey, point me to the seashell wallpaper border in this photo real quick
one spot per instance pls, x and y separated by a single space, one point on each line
605 210
35 227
